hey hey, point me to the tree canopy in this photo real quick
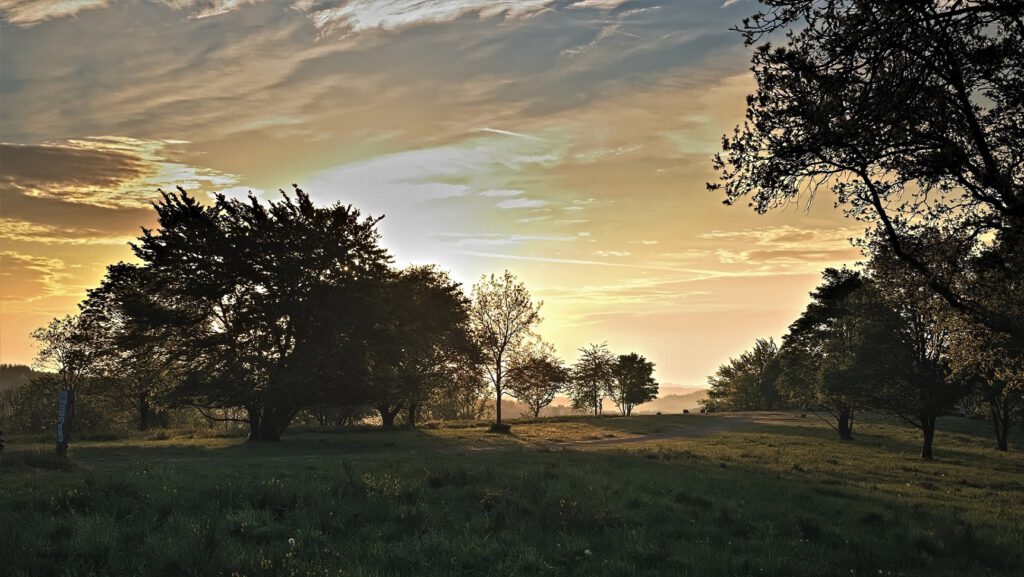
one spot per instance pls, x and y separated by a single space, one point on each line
910 113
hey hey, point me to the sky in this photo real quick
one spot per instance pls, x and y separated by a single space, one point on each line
568 141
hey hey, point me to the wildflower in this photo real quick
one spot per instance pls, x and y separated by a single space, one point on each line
291 541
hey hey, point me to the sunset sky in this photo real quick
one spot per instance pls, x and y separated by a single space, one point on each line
567 141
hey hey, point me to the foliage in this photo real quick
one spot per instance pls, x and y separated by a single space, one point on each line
993 361
68 348
632 383
592 375
420 333
244 293
536 375
502 316
919 386
747 382
134 369
838 347
909 112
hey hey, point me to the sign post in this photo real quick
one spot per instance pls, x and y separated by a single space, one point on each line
65 409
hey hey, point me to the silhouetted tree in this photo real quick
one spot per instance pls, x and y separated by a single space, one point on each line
819 370
422 323
909 112
748 382
248 289
632 382
502 316
536 375
592 376
133 366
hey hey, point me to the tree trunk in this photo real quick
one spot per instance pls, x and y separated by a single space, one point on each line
412 415
845 423
270 422
387 416
145 412
254 421
928 427
536 411
497 407
1001 423
269 429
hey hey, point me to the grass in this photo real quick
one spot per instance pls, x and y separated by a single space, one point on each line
698 495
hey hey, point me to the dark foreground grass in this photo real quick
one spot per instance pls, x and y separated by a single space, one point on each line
777 497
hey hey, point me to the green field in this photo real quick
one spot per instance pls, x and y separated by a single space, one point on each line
756 494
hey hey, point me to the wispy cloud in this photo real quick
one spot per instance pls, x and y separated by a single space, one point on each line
28 12
498 239
105 171
521 203
13 229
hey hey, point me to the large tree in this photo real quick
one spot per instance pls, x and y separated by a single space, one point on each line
263 299
632 382
909 112
502 316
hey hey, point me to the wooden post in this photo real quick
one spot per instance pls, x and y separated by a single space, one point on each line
65 409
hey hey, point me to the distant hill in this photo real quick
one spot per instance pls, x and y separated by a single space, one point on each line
667 389
673 403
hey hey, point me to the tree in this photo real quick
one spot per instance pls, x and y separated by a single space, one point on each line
632 382
132 361
266 302
592 376
747 382
994 361
536 375
981 357
921 386
68 348
423 324
819 370
910 112
501 317
464 393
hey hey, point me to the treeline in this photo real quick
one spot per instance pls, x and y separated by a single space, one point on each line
880 339
265 314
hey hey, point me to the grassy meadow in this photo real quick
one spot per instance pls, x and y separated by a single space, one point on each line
755 494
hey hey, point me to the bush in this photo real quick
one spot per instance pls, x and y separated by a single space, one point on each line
501 428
